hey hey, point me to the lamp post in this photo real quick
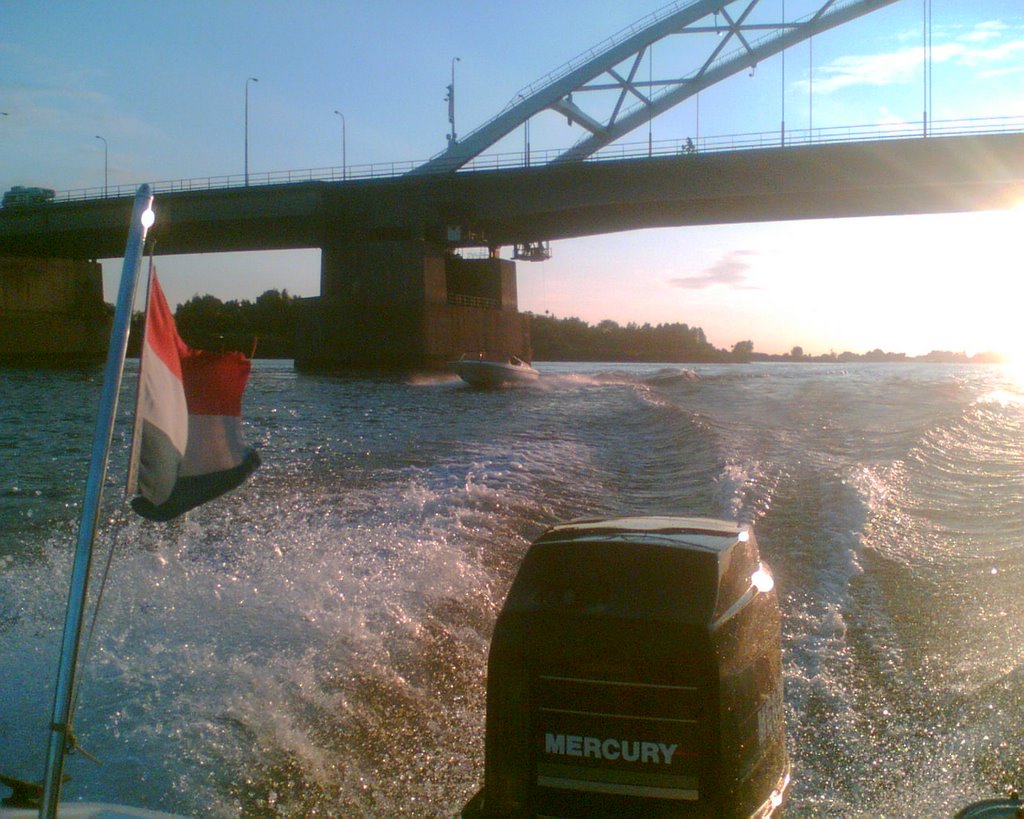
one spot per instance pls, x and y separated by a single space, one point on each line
105 155
451 104
248 80
344 158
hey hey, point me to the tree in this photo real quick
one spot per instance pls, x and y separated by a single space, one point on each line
574 340
274 313
742 351
268 325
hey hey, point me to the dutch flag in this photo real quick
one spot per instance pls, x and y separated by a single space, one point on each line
188 447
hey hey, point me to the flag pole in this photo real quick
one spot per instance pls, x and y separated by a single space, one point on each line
60 724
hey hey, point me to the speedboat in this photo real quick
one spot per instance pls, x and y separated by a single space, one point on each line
482 369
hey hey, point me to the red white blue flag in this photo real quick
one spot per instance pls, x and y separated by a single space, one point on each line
188 446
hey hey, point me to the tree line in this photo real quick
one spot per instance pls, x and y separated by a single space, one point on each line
266 327
571 339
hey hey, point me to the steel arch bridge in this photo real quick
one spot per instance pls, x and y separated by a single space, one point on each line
611 71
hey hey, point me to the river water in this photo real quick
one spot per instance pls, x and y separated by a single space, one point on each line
315 643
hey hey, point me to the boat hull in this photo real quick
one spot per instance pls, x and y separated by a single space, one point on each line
490 374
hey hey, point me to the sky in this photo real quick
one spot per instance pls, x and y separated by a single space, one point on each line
157 91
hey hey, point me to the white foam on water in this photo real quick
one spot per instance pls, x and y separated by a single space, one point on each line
316 643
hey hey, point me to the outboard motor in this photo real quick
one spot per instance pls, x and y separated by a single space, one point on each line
635 670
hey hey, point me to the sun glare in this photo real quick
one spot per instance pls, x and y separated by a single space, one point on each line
998 272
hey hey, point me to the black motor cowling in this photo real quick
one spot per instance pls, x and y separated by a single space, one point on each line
635 670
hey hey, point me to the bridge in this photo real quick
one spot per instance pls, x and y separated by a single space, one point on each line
528 206
393 290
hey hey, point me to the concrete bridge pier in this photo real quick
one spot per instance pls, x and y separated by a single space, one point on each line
52 312
407 305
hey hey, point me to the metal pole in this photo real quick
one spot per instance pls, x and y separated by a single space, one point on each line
931 105
698 120
249 80
650 96
104 166
60 722
926 27
344 158
782 104
810 89
451 103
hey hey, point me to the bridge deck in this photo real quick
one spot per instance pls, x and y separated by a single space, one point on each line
502 207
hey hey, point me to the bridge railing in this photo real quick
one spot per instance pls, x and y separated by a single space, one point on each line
693 144
255 179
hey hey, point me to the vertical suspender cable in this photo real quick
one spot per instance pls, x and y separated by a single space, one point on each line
930 108
926 61
810 89
650 100
782 29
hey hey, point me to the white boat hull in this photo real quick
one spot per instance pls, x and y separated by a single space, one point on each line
485 373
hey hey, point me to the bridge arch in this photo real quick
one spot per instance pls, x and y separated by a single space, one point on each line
613 69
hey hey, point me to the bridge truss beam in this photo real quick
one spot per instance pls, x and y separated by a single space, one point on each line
614 68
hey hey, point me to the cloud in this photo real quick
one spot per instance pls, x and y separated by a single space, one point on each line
1000 53
730 271
1001 72
990 45
874 69
985 31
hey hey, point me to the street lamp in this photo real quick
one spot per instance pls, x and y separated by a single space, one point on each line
344 159
249 80
105 155
451 103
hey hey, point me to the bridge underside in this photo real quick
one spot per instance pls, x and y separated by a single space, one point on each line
516 206
909 177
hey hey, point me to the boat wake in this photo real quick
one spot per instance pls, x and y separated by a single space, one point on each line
317 643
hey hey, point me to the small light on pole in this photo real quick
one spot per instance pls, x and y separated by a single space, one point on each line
105 165
248 80
344 158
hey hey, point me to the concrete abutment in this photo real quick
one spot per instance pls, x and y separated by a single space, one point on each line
52 312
